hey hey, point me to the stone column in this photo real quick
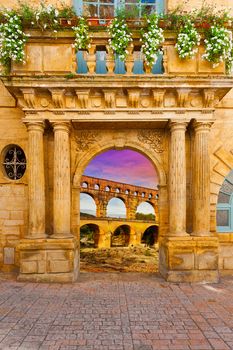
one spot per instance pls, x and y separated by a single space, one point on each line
61 183
177 180
201 179
36 180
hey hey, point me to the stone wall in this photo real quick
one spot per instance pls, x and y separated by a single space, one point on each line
13 194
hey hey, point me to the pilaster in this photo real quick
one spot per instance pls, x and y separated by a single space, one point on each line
62 188
36 180
177 179
201 179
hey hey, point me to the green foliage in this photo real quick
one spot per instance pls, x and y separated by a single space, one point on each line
218 44
12 39
152 39
120 37
187 41
141 216
82 37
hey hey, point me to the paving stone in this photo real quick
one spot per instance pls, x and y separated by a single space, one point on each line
116 312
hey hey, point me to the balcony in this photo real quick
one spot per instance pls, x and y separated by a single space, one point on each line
47 54
94 86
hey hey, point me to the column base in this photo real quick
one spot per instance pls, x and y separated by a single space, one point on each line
48 260
36 236
62 236
189 259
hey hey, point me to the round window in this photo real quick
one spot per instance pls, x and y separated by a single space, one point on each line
14 162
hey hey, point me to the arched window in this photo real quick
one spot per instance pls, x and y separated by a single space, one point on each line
84 185
14 162
96 187
107 189
143 194
117 190
135 193
145 211
116 208
87 205
225 205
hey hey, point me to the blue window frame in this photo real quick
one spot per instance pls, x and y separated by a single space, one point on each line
107 8
225 205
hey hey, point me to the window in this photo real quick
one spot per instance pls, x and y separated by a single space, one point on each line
14 162
225 205
108 8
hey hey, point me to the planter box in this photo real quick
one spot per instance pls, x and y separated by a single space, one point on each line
48 55
197 65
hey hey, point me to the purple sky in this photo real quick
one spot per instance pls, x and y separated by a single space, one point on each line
123 166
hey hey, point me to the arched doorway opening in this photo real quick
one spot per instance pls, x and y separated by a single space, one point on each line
89 235
150 236
121 236
127 182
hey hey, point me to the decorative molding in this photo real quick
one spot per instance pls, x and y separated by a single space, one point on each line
158 95
58 97
29 97
83 97
84 139
133 98
208 98
182 97
154 138
109 98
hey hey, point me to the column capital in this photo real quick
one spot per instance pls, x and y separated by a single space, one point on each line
202 125
35 125
176 125
61 126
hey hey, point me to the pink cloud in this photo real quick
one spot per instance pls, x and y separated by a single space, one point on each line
124 166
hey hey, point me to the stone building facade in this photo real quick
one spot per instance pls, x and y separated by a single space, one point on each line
180 120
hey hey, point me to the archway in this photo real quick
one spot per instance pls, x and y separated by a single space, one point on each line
150 236
120 237
116 208
128 185
89 235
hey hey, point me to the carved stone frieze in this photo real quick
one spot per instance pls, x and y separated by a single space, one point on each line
84 139
154 138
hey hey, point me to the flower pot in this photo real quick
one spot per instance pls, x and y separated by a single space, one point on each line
65 22
202 24
163 23
135 22
93 21
105 21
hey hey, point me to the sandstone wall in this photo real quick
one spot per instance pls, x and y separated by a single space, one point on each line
13 194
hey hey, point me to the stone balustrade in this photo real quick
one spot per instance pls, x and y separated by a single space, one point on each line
48 53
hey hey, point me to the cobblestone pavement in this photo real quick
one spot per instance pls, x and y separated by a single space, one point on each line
112 311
